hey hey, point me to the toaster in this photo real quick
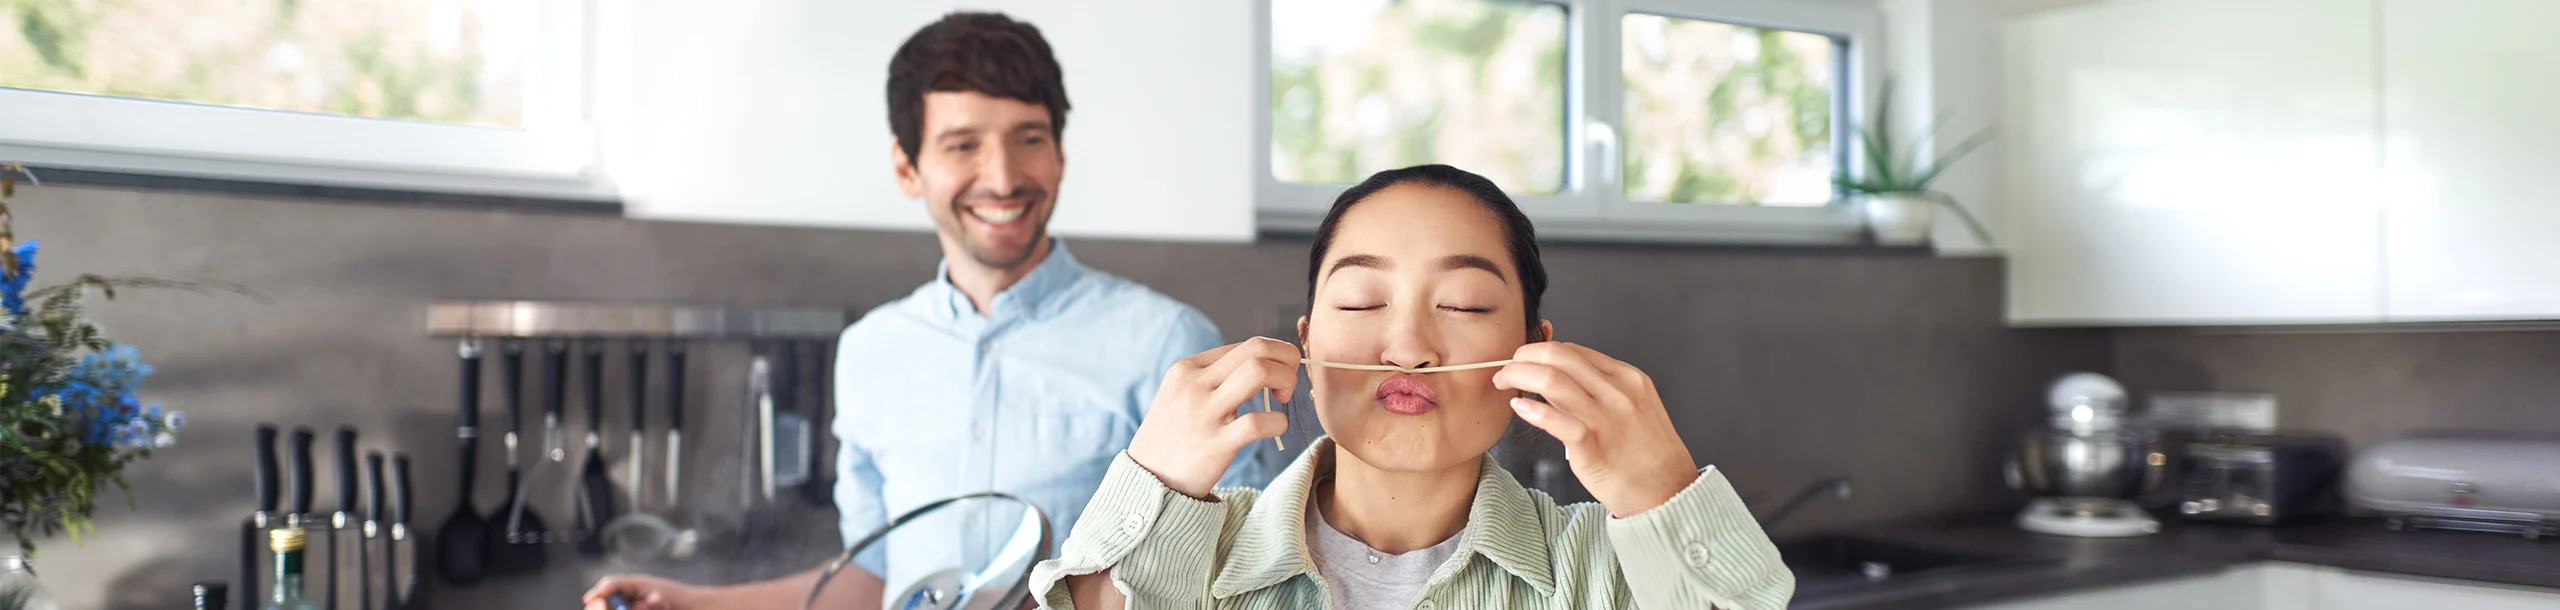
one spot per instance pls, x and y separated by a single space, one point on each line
2263 479
2462 480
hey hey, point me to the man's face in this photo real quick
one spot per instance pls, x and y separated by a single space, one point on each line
988 170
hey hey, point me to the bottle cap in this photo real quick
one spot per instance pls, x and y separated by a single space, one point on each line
287 539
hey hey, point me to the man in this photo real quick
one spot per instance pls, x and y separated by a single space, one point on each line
1017 369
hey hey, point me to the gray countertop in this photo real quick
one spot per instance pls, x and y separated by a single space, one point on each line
2180 549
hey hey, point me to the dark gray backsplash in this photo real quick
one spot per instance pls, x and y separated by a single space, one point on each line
1780 366
2363 386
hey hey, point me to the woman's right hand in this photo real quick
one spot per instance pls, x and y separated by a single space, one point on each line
1192 431
644 593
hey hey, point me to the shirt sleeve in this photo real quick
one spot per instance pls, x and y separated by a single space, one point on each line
1193 333
858 501
1701 549
1160 546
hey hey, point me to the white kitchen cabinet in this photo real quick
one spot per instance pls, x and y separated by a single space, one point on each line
2345 590
2234 589
2194 162
2288 586
775 112
2473 219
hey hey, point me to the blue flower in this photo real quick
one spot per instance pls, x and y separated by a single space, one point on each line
118 368
13 288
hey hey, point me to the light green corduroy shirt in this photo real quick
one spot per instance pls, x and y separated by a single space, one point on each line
1247 550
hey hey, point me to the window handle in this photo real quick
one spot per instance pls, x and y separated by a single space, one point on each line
1605 154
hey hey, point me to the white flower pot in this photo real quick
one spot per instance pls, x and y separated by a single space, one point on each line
1899 219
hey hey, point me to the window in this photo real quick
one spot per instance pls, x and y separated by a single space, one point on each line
1724 113
440 91
436 61
1704 120
1360 86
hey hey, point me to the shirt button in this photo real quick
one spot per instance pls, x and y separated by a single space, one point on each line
1133 525
1426 605
1697 555
978 432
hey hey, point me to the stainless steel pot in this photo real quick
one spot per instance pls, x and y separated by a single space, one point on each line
2060 464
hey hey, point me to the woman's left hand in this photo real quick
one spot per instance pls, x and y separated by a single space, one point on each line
1616 434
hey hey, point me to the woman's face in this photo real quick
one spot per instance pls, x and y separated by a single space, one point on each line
1417 276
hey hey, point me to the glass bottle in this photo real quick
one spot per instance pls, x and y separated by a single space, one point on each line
18 584
287 543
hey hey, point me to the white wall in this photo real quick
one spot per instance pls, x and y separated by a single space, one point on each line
776 112
1945 57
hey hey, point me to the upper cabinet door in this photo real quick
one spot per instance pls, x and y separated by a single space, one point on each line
2470 98
2195 162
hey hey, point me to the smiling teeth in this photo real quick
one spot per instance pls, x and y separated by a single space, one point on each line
998 216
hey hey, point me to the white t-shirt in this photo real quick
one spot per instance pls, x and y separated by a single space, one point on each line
1357 577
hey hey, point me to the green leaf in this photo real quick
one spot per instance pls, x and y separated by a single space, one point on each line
1921 182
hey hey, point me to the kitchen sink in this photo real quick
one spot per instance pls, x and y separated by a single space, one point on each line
1835 562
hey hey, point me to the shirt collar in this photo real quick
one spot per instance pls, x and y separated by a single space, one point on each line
1028 296
1504 525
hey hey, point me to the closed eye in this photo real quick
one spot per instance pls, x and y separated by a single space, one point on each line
1467 309
1361 308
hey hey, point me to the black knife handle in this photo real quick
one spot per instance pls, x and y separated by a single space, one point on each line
265 475
373 493
675 386
639 387
400 488
346 446
555 377
595 391
300 484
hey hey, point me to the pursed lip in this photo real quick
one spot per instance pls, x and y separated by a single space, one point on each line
1407 394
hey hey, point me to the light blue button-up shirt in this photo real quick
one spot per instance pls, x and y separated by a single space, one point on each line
1034 398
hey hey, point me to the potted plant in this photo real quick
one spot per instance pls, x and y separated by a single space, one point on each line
1893 194
69 418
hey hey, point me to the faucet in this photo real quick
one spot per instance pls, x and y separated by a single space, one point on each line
1836 485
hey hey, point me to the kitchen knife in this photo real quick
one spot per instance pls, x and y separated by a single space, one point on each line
253 531
340 519
463 559
372 532
400 578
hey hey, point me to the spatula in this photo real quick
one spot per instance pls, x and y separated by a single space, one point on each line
596 497
515 544
462 551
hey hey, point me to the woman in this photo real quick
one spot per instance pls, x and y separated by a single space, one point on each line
1399 507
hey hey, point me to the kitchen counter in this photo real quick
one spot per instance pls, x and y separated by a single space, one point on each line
2180 549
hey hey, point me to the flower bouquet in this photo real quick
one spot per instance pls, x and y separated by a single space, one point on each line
69 418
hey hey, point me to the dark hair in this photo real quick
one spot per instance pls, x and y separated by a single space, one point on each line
1518 236
985 53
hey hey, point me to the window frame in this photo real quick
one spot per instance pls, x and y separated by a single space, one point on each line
1593 205
554 154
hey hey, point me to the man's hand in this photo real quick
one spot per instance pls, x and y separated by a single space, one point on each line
1192 431
1616 434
